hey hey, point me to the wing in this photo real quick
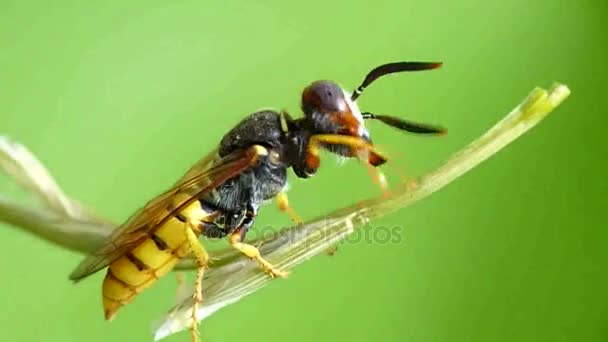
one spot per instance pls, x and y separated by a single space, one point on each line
206 175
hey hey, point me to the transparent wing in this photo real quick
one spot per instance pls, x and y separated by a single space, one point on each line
206 175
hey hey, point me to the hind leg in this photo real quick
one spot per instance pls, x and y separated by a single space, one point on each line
202 258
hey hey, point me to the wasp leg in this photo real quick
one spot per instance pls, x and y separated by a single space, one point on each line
283 204
252 252
202 258
379 178
363 150
363 147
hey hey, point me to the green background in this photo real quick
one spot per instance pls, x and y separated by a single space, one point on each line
118 100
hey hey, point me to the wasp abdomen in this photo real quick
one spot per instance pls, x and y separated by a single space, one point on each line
153 258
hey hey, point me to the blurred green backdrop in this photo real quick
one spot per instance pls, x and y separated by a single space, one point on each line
119 98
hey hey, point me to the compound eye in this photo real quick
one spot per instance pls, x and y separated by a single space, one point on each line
323 96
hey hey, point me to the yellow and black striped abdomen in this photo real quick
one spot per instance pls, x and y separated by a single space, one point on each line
153 258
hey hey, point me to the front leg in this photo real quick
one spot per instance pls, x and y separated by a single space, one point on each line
360 148
252 252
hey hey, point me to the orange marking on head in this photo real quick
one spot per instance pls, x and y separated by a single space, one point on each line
347 121
308 96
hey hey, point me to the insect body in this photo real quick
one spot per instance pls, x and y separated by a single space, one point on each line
221 194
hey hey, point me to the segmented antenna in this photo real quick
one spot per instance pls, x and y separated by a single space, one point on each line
391 68
405 125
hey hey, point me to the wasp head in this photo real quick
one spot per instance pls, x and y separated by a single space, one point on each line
330 110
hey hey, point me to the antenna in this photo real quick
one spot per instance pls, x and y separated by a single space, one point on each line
392 68
405 125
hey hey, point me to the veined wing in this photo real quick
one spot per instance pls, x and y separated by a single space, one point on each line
206 175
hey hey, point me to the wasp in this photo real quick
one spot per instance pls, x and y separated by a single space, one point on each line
221 194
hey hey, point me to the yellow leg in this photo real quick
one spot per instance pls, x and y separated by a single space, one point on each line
365 152
379 178
254 253
283 204
355 143
202 258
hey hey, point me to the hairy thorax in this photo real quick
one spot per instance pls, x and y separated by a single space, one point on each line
249 189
